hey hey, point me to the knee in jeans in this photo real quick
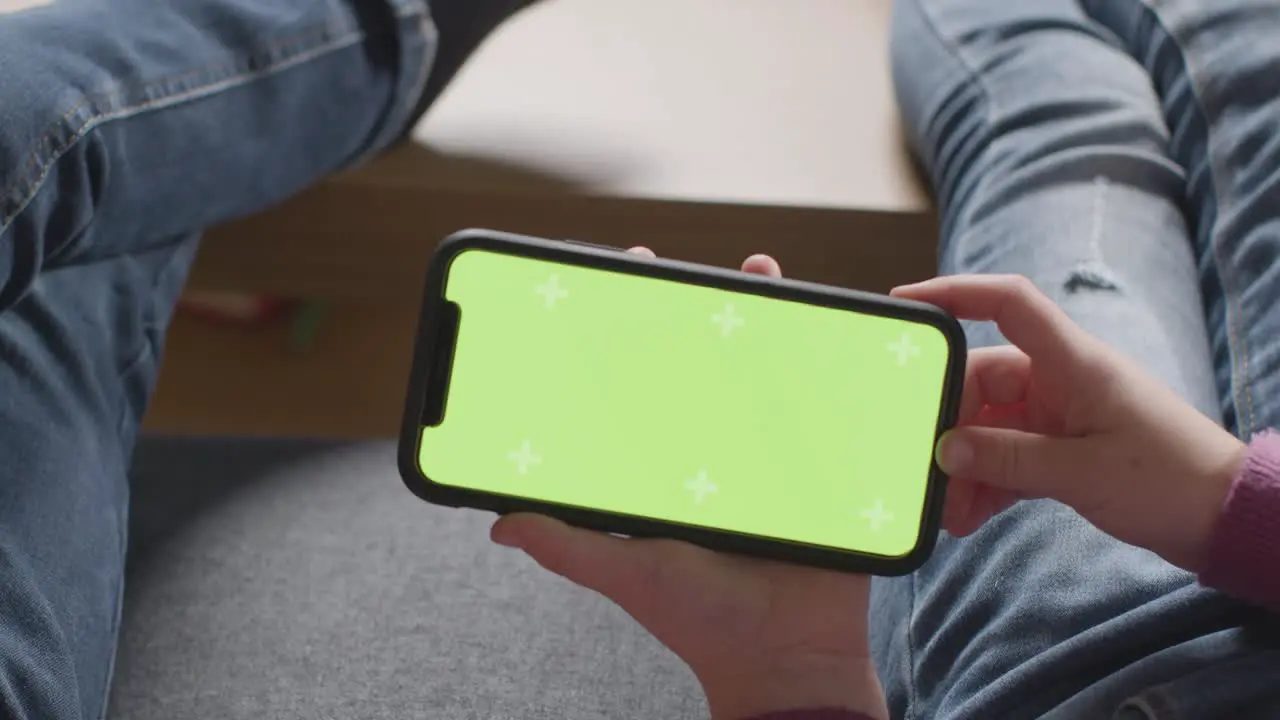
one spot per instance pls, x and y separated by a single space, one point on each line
44 109
46 112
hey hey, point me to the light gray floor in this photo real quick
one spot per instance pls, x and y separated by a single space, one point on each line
295 579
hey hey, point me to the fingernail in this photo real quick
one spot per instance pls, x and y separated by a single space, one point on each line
954 454
501 536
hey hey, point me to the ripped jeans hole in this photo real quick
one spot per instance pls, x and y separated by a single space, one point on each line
1091 276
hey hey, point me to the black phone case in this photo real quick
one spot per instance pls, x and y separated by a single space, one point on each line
432 365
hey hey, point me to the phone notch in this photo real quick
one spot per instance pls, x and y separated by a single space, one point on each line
443 347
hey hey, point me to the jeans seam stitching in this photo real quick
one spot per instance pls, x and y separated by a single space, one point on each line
913 691
1237 343
971 72
420 15
973 78
426 24
118 611
223 76
33 158
148 347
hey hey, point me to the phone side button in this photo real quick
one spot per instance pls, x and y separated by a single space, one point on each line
595 246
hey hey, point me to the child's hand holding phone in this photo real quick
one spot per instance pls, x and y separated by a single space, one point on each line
1061 415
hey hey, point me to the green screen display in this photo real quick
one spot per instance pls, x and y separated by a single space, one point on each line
687 404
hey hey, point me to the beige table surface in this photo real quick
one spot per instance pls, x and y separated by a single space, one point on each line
704 128
745 102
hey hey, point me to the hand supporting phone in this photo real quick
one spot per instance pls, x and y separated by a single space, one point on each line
657 398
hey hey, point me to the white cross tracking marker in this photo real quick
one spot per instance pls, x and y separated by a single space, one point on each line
728 320
904 349
551 291
877 516
701 487
524 458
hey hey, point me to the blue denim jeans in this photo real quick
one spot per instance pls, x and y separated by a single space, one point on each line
127 127
1125 156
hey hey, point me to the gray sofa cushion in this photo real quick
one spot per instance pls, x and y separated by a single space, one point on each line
299 579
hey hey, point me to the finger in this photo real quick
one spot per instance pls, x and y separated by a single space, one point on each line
642 252
609 565
1009 417
992 501
959 506
969 504
994 376
985 502
1005 417
1028 464
1024 315
762 265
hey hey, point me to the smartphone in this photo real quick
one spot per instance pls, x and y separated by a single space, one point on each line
657 398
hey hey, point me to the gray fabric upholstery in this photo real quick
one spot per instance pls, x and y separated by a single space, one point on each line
274 579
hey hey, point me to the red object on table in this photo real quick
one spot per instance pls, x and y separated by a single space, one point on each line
233 308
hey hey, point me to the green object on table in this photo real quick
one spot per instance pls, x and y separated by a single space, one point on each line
306 325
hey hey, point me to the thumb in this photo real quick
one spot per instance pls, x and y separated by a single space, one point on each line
1026 463
607 564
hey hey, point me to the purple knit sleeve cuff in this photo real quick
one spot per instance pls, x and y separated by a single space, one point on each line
814 714
1244 550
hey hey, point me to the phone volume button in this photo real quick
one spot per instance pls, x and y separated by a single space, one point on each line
595 246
